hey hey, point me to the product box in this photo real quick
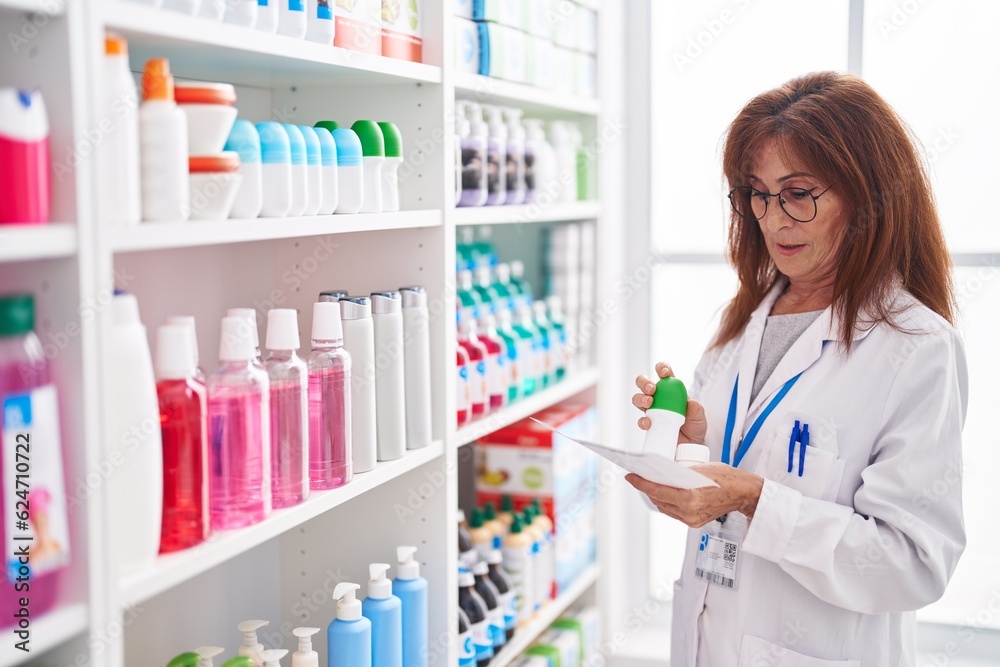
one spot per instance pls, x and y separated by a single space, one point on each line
463 8
402 30
585 68
539 65
587 30
566 23
515 52
506 12
491 44
359 25
539 18
466 46
563 71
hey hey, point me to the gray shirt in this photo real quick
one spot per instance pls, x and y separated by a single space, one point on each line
780 333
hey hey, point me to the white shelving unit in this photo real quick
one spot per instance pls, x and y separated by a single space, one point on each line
282 569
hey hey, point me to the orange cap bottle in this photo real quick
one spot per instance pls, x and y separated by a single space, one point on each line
157 82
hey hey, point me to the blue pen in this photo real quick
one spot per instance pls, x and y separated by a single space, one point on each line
802 453
791 445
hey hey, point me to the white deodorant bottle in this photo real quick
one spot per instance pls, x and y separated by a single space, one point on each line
359 341
390 390
417 366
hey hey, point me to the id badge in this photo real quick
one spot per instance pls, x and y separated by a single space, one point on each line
718 559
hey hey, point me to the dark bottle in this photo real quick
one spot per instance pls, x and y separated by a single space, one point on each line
505 586
475 608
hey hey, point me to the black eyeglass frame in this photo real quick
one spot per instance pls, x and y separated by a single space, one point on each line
750 191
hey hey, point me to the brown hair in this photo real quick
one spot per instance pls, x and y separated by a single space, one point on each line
839 128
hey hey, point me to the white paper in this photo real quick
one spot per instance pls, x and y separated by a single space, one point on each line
653 467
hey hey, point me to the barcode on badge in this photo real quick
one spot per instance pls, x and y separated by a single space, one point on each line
715 578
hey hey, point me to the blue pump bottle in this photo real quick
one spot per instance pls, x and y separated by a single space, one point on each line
411 589
385 611
349 637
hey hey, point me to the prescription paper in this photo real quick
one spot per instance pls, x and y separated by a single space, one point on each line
653 467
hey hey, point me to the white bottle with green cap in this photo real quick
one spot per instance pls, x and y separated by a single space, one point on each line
666 416
393 158
373 150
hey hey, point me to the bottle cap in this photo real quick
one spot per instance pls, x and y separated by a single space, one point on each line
514 126
272 656
370 134
244 141
517 269
386 303
480 568
489 511
504 320
313 150
691 452
555 307
465 578
188 659
200 92
225 162
17 314
187 321
275 147
206 655
124 309
348 606
379 587
494 557
327 146
534 128
474 113
671 394
250 315
326 321
407 567
498 129
333 295
392 138
157 82
249 630
173 353
304 636
414 296
235 340
517 525
296 143
349 150
356 308
282 329
507 504
328 125
115 45
540 311
476 519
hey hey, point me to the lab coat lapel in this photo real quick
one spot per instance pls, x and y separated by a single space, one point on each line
752 336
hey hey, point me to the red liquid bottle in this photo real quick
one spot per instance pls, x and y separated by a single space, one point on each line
462 387
478 355
183 423
496 363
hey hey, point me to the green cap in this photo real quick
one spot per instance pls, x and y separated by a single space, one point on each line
517 526
242 661
184 660
546 651
476 518
507 504
17 315
393 139
572 625
670 395
489 512
328 124
370 134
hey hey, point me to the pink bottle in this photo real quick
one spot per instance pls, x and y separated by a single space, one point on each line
239 444
183 411
479 381
289 380
329 400
31 428
24 158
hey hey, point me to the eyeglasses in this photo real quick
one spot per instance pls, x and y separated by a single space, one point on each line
751 204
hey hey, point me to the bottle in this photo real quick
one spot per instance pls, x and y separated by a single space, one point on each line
359 341
314 171
120 153
417 367
516 186
544 557
251 647
558 322
133 419
479 381
300 173
183 405
241 12
349 636
163 147
496 156
411 589
328 160
350 171
30 408
239 448
521 363
330 444
496 365
393 158
272 657
481 536
474 607
491 596
213 10
466 647
540 166
550 340
276 168
320 24
496 527
187 321
518 561
506 515
505 587
503 287
470 301
486 290
240 661
243 139
385 611
373 149
458 157
518 282
267 16
332 296
288 378
206 655
539 345
474 141
463 397
249 315
666 416
305 656
291 18
390 388
24 157
566 184
464 540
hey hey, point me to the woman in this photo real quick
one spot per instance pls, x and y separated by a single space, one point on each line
832 397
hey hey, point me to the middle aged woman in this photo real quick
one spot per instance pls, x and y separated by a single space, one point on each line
832 398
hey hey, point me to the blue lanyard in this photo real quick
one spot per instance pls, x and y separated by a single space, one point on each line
751 435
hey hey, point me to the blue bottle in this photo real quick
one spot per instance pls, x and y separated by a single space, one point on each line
349 637
411 589
385 611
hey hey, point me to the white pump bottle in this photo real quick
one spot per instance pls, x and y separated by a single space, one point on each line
305 656
251 647
273 656
206 655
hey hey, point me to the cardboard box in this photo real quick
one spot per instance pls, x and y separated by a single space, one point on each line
564 17
491 44
515 54
359 25
538 19
539 66
466 46
402 30
586 76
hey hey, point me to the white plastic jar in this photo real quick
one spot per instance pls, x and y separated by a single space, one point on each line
214 182
276 170
244 140
350 172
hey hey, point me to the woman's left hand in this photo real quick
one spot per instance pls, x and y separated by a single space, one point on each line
737 490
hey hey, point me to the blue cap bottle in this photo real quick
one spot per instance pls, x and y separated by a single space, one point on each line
276 170
350 170
314 171
245 140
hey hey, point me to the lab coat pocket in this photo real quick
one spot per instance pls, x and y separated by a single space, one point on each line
821 471
755 651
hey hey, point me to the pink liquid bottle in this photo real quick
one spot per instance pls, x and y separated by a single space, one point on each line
462 397
289 380
239 442
478 356
330 448
30 427
496 363
184 427
24 158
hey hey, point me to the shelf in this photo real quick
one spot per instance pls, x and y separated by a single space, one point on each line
546 616
532 100
47 632
19 243
166 235
48 7
199 48
174 569
571 386
531 213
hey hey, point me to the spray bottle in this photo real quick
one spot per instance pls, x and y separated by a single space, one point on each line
349 636
251 648
272 657
666 416
385 612
411 589
305 656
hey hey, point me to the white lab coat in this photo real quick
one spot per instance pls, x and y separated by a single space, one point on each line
835 563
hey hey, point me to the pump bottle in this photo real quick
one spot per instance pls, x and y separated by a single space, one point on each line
384 610
206 655
411 589
252 648
474 139
272 657
349 636
305 656
496 156
241 661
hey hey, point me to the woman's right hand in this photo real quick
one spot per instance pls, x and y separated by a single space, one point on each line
695 425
